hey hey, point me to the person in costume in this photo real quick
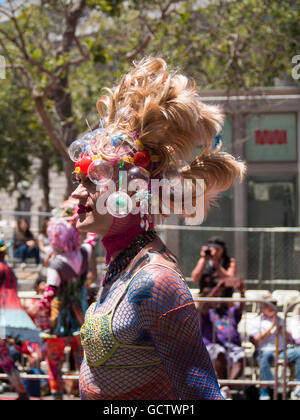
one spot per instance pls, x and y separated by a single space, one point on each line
142 337
64 301
15 324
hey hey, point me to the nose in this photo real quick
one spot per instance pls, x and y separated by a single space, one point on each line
80 193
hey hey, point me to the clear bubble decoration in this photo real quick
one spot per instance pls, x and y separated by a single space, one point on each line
107 146
100 172
88 137
119 204
137 172
138 179
94 139
76 149
98 133
120 142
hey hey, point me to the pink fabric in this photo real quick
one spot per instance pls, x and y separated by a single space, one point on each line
44 306
122 233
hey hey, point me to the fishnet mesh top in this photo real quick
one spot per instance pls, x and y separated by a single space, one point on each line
156 310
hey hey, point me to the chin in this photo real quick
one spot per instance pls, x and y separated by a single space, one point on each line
85 223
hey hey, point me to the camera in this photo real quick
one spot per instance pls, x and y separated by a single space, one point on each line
208 253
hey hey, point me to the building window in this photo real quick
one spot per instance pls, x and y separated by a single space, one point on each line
271 137
272 203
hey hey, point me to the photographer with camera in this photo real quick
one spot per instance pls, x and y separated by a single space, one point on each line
214 264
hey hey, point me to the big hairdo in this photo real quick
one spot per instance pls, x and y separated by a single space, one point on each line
164 108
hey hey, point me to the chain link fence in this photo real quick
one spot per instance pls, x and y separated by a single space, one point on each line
266 257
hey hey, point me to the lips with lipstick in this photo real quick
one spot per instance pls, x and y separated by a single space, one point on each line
84 209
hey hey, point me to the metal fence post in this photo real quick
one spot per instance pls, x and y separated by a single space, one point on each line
285 345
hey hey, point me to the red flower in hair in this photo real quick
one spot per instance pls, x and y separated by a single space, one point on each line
142 159
84 163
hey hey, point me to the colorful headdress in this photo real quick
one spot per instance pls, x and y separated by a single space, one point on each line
89 152
99 154
63 235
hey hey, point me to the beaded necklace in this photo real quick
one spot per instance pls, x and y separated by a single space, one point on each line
125 256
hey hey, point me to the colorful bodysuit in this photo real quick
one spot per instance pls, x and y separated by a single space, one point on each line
142 340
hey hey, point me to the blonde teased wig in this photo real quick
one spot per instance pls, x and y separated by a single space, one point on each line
164 108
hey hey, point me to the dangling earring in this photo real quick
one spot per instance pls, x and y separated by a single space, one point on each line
144 198
119 203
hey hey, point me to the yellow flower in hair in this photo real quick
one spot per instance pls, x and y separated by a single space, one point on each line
97 157
128 159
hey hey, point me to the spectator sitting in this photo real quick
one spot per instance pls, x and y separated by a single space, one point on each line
263 335
24 243
214 264
219 325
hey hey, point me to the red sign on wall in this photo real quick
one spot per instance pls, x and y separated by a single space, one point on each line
270 137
